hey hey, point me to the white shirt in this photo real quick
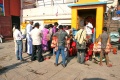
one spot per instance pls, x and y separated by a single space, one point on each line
17 35
88 28
67 31
28 29
36 36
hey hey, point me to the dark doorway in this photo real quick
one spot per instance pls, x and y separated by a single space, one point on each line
88 14
16 20
118 2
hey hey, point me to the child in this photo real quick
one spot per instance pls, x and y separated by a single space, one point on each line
73 49
54 44
89 51
96 50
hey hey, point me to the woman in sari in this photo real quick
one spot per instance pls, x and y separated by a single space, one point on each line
45 38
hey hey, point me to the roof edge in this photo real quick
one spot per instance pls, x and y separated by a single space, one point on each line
85 4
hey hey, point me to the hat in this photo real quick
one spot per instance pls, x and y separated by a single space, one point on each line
31 21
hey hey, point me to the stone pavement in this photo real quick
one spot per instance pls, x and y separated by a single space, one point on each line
12 69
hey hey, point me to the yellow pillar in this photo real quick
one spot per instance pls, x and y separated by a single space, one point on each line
74 18
99 20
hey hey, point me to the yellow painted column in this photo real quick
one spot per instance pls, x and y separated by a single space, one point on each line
74 18
99 20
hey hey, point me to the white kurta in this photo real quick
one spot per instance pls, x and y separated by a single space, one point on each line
29 39
88 28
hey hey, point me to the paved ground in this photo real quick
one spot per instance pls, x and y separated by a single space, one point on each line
12 69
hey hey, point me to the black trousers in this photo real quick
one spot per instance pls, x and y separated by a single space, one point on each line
26 45
37 53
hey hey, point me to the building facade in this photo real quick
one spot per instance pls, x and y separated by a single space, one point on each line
9 15
49 11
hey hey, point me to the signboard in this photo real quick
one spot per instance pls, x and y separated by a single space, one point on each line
1 8
51 21
27 4
23 27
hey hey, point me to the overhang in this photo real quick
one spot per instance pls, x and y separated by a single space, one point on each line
86 4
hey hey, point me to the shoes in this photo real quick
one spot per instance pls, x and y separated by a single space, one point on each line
41 60
18 58
22 60
64 65
29 54
32 59
55 64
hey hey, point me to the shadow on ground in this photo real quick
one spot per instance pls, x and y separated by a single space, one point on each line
93 79
7 68
69 59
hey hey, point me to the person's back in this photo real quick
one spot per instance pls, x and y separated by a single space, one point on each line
104 39
36 46
61 37
36 37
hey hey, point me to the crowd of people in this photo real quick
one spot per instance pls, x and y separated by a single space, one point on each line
112 12
58 39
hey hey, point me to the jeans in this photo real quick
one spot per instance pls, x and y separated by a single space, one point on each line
19 49
54 52
39 53
60 50
81 55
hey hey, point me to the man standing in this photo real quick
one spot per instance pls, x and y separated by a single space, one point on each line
104 39
81 44
29 39
88 28
36 43
18 39
62 35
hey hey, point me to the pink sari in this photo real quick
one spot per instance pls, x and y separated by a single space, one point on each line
45 33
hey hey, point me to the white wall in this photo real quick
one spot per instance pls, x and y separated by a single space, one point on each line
47 12
112 4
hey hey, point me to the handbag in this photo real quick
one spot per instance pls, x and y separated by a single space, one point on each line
108 46
82 45
54 42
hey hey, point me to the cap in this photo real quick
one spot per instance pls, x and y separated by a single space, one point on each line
31 20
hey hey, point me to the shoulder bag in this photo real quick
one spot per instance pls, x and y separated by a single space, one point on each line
82 45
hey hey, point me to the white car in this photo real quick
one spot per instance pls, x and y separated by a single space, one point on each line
115 37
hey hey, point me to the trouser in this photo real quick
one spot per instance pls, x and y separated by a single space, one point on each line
103 53
26 45
29 46
60 50
15 46
81 55
54 52
66 53
19 49
36 54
